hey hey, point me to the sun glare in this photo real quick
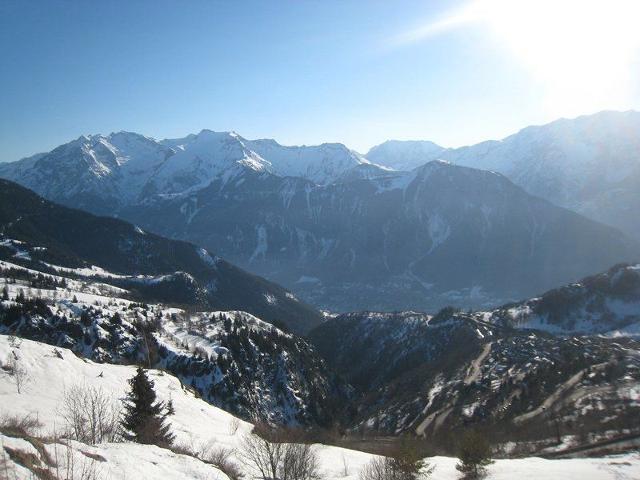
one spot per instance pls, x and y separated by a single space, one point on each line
583 52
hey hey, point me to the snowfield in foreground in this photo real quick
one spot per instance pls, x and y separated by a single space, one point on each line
50 370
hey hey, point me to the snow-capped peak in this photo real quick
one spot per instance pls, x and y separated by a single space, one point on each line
127 166
404 155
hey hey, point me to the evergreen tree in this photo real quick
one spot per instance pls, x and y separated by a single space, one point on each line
170 408
116 319
403 463
144 420
474 454
5 293
407 463
85 319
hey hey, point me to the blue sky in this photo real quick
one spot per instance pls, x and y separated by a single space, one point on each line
302 72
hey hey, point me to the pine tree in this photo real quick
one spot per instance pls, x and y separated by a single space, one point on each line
116 319
144 419
5 293
474 454
85 319
407 463
170 408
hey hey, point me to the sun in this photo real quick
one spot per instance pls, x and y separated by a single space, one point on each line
582 52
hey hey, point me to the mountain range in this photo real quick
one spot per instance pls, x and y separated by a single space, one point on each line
48 236
431 375
438 235
115 294
126 168
590 164
346 232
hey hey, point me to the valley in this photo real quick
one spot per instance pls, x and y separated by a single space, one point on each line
553 375
573 351
345 232
320 240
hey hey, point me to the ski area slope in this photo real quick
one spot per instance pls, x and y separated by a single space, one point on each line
196 423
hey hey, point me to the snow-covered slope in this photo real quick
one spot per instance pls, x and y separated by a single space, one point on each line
345 234
195 423
384 240
232 359
71 460
435 376
52 370
198 424
607 303
50 233
567 160
126 168
322 164
404 155
590 164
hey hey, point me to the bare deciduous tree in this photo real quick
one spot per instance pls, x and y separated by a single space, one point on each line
18 373
377 469
262 456
91 415
300 462
345 467
234 424
272 454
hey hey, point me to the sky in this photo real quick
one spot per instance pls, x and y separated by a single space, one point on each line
308 72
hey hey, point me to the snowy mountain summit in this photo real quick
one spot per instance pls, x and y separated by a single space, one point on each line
589 164
128 167
411 225
405 155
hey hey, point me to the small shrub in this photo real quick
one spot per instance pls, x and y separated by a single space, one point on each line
220 457
17 426
377 469
183 449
